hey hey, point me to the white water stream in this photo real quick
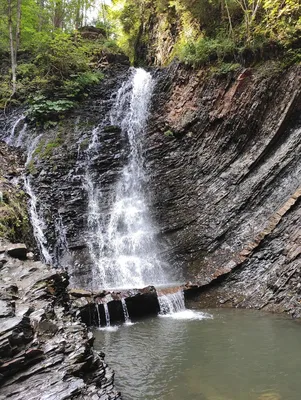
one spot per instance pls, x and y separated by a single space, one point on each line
12 139
19 137
37 222
123 248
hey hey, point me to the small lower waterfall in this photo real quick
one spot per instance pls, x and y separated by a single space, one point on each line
127 319
171 302
107 315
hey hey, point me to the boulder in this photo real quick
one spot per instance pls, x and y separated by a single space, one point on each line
18 250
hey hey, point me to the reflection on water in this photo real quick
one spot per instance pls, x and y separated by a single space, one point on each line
236 355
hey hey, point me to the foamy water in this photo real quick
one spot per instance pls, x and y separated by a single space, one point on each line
187 315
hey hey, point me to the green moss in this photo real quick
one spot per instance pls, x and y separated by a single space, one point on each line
39 148
45 150
169 133
50 146
31 168
14 222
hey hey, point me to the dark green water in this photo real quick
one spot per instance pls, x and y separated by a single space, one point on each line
236 355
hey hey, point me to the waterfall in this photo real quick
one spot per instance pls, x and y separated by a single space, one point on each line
172 305
107 315
19 138
98 315
171 302
37 222
123 248
127 319
11 140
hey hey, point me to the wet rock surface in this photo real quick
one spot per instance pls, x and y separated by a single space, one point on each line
45 353
222 151
90 306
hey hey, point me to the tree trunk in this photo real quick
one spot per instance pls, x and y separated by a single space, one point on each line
41 14
13 55
229 19
18 29
58 14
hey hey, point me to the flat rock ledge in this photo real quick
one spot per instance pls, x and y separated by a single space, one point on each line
45 352
89 306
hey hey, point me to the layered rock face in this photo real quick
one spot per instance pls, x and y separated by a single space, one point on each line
222 152
226 182
45 352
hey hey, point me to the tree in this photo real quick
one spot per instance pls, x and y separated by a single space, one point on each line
14 23
250 9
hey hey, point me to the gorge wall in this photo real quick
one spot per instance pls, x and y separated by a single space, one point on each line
229 199
222 151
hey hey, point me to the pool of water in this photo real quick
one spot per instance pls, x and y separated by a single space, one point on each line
222 355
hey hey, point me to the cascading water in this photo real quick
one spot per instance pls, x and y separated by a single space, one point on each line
36 221
122 243
126 315
123 249
171 302
11 139
98 315
18 138
107 315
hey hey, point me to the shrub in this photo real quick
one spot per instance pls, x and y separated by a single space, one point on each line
42 109
205 50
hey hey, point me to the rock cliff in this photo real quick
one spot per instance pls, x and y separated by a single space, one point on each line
45 352
222 151
229 199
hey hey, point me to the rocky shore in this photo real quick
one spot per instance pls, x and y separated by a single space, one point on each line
45 352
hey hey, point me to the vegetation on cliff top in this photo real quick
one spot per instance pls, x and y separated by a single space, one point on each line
49 58
199 31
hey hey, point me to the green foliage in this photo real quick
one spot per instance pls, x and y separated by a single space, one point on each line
202 31
42 109
14 223
205 50
224 68
63 55
129 18
54 59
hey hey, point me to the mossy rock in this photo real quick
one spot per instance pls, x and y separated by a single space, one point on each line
14 221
